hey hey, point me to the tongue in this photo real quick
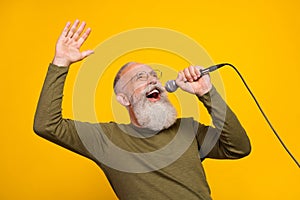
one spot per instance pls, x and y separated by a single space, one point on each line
154 95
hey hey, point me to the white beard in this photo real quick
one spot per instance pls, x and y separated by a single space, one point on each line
155 116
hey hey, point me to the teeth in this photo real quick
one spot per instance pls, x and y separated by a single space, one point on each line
153 91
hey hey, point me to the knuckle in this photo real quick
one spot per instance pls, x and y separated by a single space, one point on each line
199 67
186 70
190 67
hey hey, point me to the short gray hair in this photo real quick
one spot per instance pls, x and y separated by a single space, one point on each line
118 75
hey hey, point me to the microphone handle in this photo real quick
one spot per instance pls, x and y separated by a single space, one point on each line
211 69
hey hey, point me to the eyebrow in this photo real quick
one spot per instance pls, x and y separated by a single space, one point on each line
136 74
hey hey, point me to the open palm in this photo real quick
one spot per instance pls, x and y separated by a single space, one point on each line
68 45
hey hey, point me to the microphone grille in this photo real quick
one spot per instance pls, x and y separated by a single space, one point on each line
171 86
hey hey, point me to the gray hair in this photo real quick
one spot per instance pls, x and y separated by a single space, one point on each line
118 75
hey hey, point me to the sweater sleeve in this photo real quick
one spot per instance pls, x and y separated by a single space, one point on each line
227 139
48 120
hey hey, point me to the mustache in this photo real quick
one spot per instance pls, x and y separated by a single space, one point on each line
143 93
151 87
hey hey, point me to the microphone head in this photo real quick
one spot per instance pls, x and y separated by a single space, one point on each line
171 86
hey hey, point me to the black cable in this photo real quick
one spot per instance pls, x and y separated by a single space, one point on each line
266 118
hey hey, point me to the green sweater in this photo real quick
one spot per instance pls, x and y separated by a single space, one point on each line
139 163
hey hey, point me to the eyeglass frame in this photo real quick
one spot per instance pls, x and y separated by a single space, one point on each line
156 73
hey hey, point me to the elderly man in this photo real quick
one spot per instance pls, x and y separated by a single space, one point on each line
154 126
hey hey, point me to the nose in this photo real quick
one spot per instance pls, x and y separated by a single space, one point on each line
152 80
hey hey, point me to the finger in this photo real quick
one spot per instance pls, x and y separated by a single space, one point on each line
66 29
180 80
187 75
197 71
79 30
180 76
84 36
73 28
193 72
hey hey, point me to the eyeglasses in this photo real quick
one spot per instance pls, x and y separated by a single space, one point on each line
144 76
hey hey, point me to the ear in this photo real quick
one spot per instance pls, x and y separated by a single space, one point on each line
122 99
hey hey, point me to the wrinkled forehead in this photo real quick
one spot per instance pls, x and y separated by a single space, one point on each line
134 68
131 71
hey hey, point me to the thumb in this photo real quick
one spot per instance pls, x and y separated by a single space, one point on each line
180 80
87 53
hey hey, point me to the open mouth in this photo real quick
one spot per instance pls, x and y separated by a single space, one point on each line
153 95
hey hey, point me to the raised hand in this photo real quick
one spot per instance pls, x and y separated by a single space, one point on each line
190 80
68 45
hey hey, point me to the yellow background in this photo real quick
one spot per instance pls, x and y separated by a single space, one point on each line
261 38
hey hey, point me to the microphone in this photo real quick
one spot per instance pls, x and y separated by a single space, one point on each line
171 85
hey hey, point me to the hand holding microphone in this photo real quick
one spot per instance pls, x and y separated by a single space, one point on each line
193 79
190 81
